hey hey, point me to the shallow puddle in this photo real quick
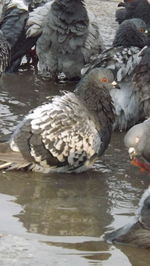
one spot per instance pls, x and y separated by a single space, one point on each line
49 220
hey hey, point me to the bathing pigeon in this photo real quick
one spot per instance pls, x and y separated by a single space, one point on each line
137 233
134 9
122 59
67 134
68 36
137 140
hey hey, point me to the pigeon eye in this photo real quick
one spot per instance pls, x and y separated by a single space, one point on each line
141 30
105 80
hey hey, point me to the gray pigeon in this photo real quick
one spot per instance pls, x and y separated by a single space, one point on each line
137 140
12 24
67 134
137 233
68 34
134 9
122 59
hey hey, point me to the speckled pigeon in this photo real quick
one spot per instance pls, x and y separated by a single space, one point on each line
67 134
122 59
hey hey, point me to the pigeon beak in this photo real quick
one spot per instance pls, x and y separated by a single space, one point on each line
115 85
146 31
132 153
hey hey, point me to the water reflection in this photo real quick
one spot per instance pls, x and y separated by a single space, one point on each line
21 92
73 211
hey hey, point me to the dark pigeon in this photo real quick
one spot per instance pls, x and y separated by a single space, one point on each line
67 134
134 9
13 25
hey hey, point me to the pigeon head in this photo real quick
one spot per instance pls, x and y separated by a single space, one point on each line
131 32
96 82
137 140
93 89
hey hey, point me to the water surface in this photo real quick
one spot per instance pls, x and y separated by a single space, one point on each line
60 219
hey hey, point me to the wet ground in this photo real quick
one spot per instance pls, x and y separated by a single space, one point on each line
49 220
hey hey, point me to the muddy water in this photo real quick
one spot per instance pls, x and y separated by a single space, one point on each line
60 219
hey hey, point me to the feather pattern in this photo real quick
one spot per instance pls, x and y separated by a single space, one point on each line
5 53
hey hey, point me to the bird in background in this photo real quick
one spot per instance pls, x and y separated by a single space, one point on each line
67 134
137 233
137 140
134 9
122 58
68 35
14 14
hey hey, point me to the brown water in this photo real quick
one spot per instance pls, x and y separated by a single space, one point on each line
49 220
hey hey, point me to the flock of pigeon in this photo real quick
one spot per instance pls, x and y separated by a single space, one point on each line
68 134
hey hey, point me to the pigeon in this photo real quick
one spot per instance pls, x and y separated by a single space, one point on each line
68 35
122 58
137 140
67 134
13 25
134 9
138 233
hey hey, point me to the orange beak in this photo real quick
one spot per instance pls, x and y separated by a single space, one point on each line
143 166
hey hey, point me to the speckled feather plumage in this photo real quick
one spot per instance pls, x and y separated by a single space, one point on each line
66 135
